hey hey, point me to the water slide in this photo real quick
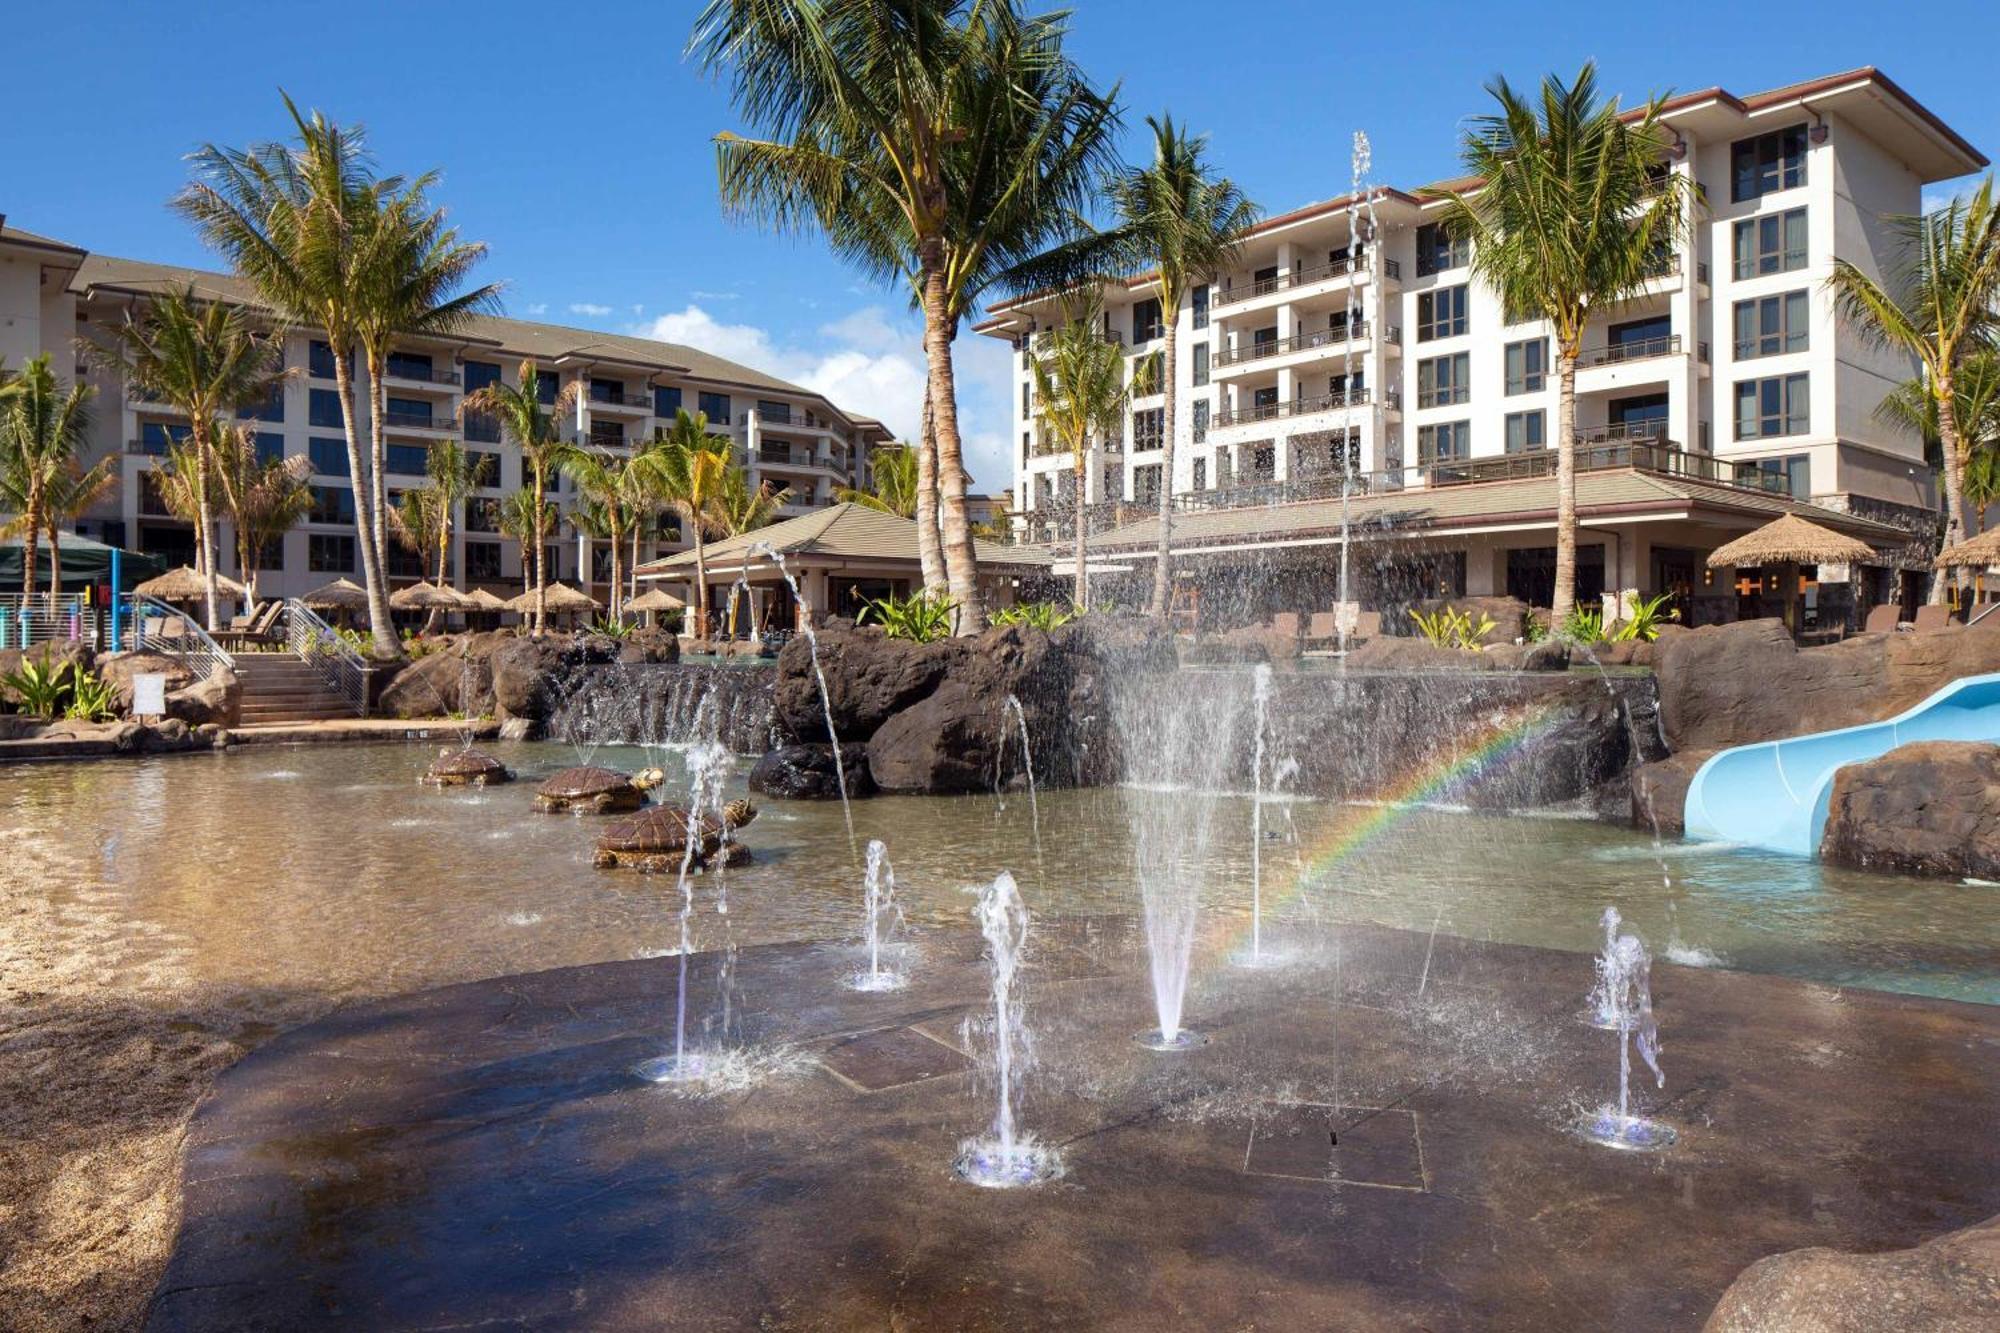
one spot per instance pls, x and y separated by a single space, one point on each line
1775 795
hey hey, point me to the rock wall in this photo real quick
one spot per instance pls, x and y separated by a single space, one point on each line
639 703
1949 1283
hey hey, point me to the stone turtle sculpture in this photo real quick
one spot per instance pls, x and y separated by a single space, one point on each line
656 841
589 790
465 768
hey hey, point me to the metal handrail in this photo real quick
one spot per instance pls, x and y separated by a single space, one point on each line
331 657
1289 407
1297 342
1612 353
189 642
36 617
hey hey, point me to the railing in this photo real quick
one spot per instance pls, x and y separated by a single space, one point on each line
1639 350
419 376
1298 342
158 627
37 618
331 657
1289 407
1648 432
417 420
620 398
1297 277
1644 452
1042 340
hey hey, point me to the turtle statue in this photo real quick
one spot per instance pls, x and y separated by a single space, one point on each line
656 842
648 778
590 791
465 768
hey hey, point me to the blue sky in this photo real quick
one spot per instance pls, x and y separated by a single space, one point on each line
575 142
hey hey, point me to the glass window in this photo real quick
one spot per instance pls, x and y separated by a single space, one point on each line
1201 474
1441 313
331 504
1149 428
1438 250
1767 163
1525 431
482 561
270 447
411 365
479 426
1201 363
1149 375
271 409
271 555
780 413
1527 365
1773 244
485 467
1146 324
329 553
406 460
1787 476
323 408
547 386
482 514
666 402
715 406
1200 421
329 457
1771 325
608 434
155 437
1201 306
1776 406
319 360
1445 441
1444 380
408 412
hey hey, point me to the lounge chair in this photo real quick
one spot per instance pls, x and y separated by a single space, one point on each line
1285 624
1931 616
1367 625
1883 619
258 631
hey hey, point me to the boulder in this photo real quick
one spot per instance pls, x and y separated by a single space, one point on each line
217 700
19 727
117 670
1407 654
650 647
531 677
807 773
437 684
1659 791
1928 808
167 735
47 655
869 678
1951 1282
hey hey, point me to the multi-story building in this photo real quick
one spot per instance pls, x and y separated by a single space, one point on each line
1729 387
54 296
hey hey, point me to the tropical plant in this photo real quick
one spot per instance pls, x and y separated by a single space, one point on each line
922 617
690 468
1643 623
614 628
741 507
521 519
937 143
92 699
66 497
1936 301
518 409
1569 218
44 427
1583 624
266 498
1975 391
296 221
1450 627
1036 615
894 489
617 490
43 686
1079 389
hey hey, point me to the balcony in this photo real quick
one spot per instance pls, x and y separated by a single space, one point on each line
1042 341
442 379
639 401
1298 342
1297 278
427 421
1620 353
1293 407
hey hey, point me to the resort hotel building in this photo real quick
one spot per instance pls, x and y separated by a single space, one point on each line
1348 373
53 296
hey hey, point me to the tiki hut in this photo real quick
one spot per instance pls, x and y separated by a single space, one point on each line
428 597
187 585
563 600
339 595
653 601
1786 543
1980 552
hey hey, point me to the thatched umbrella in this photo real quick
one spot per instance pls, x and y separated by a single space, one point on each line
653 601
563 600
187 585
1787 543
429 597
1980 552
483 600
339 595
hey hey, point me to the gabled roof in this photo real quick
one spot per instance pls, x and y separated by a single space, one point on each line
844 531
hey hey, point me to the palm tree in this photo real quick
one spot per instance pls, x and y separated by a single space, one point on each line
606 484
1079 382
44 427
1936 302
1569 219
295 221
264 499
890 126
454 472
895 487
411 264
1176 216
690 468
524 521
742 508
66 497
519 412
205 358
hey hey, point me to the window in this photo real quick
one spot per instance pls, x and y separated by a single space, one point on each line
1201 306
1200 420
407 564
1776 406
1149 375
323 409
770 412
482 561
1787 476
329 553
406 460
482 514
1652 336
1444 380
478 426
1774 244
1526 431
485 465
329 457
1146 484
1445 442
1767 163
547 386
1200 363
271 555
1771 325
1438 250
1441 313
408 412
1149 428
332 504
411 366
1200 472
1146 324
1027 399
319 360
666 402
607 434
155 437
715 406
270 448
271 409
1527 365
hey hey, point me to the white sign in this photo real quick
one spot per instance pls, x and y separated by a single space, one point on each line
149 695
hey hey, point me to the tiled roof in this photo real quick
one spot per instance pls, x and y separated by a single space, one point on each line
843 532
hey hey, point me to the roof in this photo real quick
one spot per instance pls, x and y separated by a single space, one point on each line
549 344
35 241
1602 494
1789 539
844 531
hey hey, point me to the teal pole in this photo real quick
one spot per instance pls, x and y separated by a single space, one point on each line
116 566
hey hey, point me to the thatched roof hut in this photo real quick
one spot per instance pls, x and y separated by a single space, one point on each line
656 599
1789 540
187 585
483 600
562 600
339 595
1980 552
429 597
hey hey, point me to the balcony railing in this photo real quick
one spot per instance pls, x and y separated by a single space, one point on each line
1298 277
1289 407
620 397
415 420
1298 342
419 375
1640 350
1042 340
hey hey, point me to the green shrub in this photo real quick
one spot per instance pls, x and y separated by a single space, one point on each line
92 699
919 617
1648 614
44 690
1036 615
1584 624
1449 627
613 629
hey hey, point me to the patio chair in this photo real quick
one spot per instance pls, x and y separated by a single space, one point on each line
258 631
1935 617
1367 625
1883 619
1322 632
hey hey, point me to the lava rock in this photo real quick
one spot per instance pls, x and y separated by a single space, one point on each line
650 647
437 684
1659 791
869 678
48 655
217 700
1407 654
1929 808
531 677
1951 1282
117 670
807 773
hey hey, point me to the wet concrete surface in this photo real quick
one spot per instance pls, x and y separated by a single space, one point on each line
1376 1136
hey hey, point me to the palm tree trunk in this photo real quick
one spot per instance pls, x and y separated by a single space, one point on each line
244 567
381 624
960 564
541 566
55 565
1564 600
205 517
1954 482
930 553
378 403
632 566
1081 594
700 585
31 539
1163 557
444 558
614 601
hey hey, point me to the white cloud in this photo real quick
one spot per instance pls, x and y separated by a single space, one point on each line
539 308
1942 193
870 361
589 308
715 296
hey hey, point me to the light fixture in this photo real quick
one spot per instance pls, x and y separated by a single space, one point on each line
1679 149
1818 132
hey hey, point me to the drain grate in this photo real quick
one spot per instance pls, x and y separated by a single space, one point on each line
1348 1145
891 1058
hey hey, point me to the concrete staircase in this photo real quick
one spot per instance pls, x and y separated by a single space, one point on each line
279 687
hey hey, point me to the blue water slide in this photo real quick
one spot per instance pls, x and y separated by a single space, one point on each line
1774 795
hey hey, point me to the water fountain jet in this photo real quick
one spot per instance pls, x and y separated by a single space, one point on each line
881 909
1627 982
1005 1158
